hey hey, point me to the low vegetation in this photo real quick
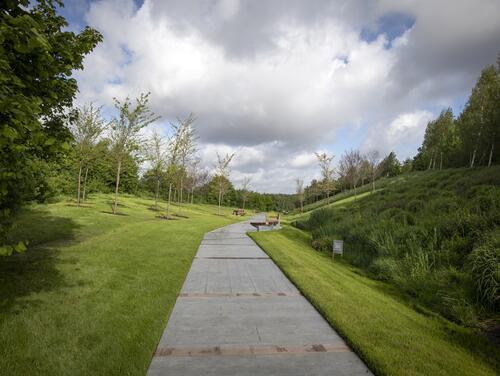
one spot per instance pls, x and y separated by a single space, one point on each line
93 292
432 234
379 323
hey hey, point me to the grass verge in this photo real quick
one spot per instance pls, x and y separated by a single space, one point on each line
391 336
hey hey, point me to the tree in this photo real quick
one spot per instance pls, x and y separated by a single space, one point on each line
184 140
157 158
125 137
350 168
373 158
37 59
299 183
327 171
86 129
244 190
222 171
390 166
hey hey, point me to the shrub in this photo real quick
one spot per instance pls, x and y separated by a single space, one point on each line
384 268
485 268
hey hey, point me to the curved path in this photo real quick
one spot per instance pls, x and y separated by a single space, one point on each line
238 314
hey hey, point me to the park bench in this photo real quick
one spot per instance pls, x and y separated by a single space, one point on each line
271 222
239 212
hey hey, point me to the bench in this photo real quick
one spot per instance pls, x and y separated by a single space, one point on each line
239 212
270 221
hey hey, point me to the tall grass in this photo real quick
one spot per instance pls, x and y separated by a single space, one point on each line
433 234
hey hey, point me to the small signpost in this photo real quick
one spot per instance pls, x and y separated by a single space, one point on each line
338 248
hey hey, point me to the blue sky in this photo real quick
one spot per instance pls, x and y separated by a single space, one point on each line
276 81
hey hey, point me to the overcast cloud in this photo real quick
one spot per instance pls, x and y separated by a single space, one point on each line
275 81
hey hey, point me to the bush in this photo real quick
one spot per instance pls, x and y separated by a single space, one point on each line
384 268
485 270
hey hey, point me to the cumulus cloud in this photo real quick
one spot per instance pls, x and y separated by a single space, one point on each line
274 81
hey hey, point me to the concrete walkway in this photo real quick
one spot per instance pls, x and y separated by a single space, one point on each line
238 314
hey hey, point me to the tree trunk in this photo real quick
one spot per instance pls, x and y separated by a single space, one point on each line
373 185
430 161
79 185
169 198
192 196
441 162
301 206
85 183
473 158
491 155
118 170
157 192
220 197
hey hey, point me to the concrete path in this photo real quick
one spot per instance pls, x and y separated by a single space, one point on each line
238 314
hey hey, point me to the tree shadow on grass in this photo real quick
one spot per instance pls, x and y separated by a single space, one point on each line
36 270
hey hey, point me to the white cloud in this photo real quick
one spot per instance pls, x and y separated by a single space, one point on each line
273 82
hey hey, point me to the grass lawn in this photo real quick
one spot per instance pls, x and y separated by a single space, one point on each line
94 291
392 337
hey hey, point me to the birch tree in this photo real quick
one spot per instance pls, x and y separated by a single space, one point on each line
86 129
327 171
222 171
299 184
125 132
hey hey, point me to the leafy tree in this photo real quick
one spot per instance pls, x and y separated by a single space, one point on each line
157 157
37 58
86 129
327 171
479 122
350 168
125 133
390 166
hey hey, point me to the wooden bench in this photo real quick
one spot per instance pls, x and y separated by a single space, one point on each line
271 221
239 212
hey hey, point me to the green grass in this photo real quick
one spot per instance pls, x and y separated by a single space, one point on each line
382 327
94 291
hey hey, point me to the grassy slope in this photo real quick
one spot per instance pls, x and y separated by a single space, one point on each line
391 337
93 293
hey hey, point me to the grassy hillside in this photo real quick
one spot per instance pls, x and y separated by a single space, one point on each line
435 235
93 293
391 336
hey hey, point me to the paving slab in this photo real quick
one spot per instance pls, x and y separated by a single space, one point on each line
238 314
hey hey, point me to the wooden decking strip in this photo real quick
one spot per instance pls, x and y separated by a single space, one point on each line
232 258
238 294
232 350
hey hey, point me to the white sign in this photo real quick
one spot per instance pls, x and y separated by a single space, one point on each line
338 247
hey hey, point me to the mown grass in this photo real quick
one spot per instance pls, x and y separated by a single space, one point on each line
382 327
94 291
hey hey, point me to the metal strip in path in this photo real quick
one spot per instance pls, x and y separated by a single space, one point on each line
238 314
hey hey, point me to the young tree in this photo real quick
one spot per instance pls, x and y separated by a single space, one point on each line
327 171
222 171
157 157
184 139
125 133
38 56
299 183
244 190
86 129
373 158
350 166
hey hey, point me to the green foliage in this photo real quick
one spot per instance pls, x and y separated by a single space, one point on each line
425 232
37 57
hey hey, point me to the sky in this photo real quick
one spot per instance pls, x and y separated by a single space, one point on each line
276 81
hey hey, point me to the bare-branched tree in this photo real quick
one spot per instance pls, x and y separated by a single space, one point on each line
350 168
300 193
222 170
245 192
373 158
156 155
